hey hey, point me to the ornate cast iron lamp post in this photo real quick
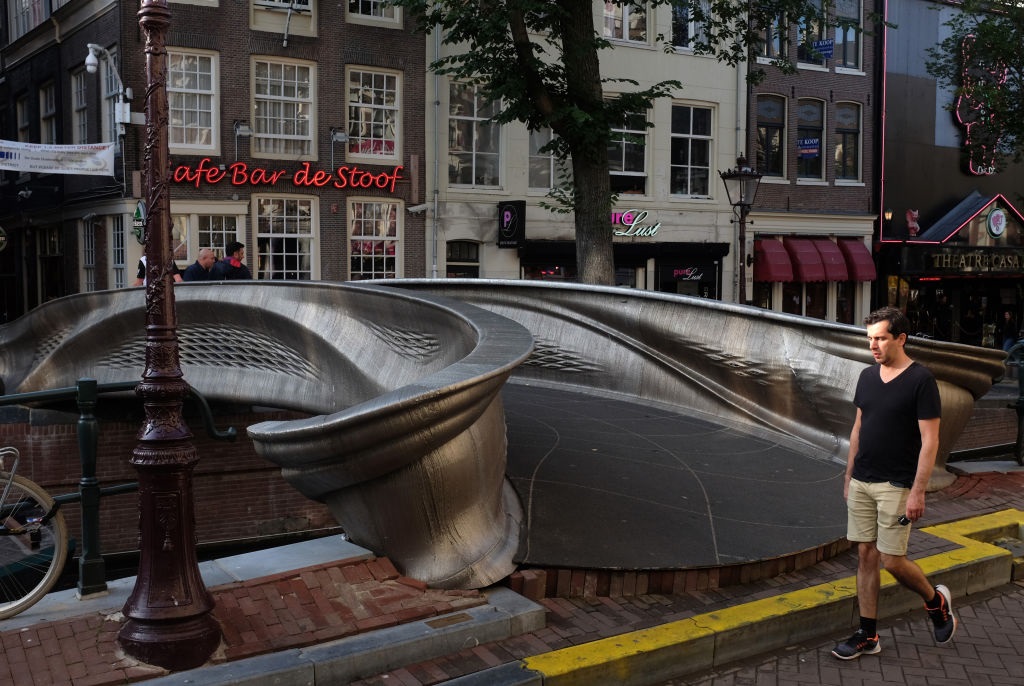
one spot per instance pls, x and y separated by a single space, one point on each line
169 621
741 186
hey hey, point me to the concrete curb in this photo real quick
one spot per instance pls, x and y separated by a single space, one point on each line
712 640
506 614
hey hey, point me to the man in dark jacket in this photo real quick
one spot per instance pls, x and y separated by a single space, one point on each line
202 268
231 266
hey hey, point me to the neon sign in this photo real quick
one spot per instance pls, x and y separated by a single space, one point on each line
631 221
974 111
241 174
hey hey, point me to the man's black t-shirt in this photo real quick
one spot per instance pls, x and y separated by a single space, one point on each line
890 439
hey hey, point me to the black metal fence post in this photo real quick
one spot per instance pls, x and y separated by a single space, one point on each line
91 567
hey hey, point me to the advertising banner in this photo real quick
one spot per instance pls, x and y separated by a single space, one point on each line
95 158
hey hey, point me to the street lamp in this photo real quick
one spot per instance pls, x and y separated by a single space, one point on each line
169 621
122 110
741 187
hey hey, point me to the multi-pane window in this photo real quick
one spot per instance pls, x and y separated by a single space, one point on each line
847 154
283 108
284 238
848 32
374 113
373 240
691 151
771 135
118 254
191 99
812 29
687 28
111 94
774 42
810 124
627 154
79 108
380 9
179 238
623 22
546 170
88 234
215 231
21 108
474 142
48 114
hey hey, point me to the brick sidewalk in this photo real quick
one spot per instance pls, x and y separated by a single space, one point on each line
325 602
288 610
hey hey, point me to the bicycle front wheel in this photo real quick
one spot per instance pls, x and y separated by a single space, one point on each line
33 548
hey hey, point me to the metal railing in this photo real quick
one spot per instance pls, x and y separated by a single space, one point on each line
91 566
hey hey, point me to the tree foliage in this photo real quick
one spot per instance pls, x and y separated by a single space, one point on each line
538 60
982 61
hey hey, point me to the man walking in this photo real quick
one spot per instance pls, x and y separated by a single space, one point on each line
893 444
231 266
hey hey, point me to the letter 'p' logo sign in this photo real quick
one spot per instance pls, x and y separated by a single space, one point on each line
511 220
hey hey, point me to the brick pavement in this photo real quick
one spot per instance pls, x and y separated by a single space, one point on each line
573 621
288 610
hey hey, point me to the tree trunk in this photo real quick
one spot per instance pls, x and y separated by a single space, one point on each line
588 142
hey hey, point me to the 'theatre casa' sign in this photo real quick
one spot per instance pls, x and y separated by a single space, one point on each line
241 174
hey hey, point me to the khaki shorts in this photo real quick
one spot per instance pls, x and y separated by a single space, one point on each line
872 511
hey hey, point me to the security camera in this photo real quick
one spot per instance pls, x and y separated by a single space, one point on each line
89 217
418 209
25 193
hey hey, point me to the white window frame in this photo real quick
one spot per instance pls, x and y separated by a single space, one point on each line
808 26
858 68
24 125
616 20
110 82
371 239
822 135
282 227
87 259
368 108
695 31
380 13
624 135
195 214
188 121
79 108
460 150
845 181
545 161
117 251
48 113
690 137
290 146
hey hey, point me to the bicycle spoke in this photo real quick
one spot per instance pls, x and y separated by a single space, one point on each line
32 552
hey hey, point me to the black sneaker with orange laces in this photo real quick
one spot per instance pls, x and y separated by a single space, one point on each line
858 644
942 617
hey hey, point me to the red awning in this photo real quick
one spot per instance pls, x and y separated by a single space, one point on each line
832 258
806 259
858 259
771 261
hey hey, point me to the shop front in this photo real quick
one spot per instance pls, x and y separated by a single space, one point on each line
683 268
962 279
812 276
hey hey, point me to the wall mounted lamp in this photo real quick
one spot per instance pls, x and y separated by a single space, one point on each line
242 130
337 136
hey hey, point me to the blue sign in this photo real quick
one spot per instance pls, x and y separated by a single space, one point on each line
808 147
825 48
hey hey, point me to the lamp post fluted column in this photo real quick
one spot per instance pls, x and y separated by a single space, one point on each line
168 613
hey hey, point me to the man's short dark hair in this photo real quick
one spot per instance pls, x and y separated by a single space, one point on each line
232 248
898 322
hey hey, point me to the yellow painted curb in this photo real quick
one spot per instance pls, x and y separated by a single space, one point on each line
973 535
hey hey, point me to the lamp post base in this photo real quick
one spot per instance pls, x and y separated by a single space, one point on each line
173 645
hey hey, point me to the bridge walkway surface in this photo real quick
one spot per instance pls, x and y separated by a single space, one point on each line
330 612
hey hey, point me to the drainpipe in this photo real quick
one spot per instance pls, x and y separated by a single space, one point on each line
437 151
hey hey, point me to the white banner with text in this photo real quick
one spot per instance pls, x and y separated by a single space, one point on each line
92 158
